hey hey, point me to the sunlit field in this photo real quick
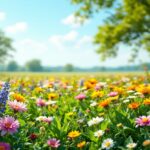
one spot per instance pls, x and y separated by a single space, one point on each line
88 111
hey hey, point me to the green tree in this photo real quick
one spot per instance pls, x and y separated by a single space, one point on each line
12 66
68 68
34 65
5 46
128 23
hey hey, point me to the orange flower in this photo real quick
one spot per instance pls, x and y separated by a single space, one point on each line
105 103
18 97
73 134
147 102
146 143
134 105
81 144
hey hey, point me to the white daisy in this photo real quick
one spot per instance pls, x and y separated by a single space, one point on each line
98 133
131 145
107 144
96 120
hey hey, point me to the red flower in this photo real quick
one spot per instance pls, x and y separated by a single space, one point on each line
33 136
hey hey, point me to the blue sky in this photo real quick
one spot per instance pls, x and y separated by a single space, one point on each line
47 30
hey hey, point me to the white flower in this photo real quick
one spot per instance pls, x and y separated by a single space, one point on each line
50 102
107 144
96 120
131 145
131 91
132 97
98 133
126 101
137 93
93 104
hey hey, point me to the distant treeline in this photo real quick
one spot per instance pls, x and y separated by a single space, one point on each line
35 66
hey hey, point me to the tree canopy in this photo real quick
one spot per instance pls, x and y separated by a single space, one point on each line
5 46
34 65
128 23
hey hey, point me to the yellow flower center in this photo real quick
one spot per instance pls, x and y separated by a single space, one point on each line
107 144
144 120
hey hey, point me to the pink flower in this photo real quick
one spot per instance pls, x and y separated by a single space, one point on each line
80 96
143 121
53 143
45 119
17 106
112 94
40 102
8 125
4 146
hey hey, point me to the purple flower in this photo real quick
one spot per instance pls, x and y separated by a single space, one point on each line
4 96
4 146
54 143
143 121
8 125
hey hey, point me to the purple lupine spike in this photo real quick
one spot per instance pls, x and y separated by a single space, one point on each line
4 96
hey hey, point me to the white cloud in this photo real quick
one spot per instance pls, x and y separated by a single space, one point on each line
28 49
74 21
86 40
60 40
16 28
2 16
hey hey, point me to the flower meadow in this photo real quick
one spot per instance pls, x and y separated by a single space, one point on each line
75 112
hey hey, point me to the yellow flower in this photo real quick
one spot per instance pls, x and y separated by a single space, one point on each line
81 144
97 94
38 89
18 97
73 134
144 89
119 90
52 96
147 102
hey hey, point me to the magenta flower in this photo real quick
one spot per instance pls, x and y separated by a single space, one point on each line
4 146
54 143
40 102
8 125
143 121
80 96
112 94
17 106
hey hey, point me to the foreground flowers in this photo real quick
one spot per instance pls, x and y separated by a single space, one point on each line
45 119
73 134
17 106
8 125
54 143
4 146
131 145
107 144
94 121
4 96
143 121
